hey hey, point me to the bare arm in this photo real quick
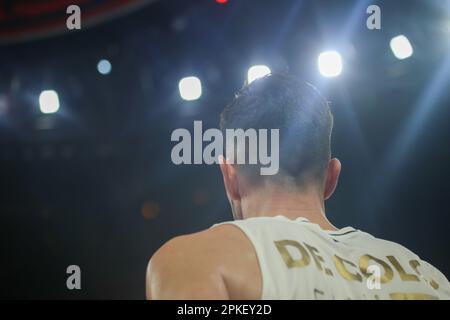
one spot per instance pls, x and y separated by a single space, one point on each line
183 269
218 263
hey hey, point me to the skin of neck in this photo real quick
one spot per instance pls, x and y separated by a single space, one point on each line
286 198
272 200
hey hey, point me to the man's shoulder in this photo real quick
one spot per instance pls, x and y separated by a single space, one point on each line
221 252
216 241
386 245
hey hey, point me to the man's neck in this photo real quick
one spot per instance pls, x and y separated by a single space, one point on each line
273 201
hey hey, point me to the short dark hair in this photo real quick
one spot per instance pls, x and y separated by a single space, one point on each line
299 111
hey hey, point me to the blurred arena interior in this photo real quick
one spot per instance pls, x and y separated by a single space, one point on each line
86 117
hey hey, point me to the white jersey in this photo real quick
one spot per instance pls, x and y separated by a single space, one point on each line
299 260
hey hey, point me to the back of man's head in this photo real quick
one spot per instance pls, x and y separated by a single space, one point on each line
303 118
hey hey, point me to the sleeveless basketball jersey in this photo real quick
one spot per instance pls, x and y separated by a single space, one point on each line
299 260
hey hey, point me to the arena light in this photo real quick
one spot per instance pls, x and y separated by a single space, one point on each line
401 47
330 63
190 88
256 72
104 66
49 101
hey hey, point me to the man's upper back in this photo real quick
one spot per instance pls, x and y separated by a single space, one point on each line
299 260
278 258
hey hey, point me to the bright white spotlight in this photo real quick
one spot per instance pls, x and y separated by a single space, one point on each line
256 72
190 88
48 101
104 66
401 47
330 63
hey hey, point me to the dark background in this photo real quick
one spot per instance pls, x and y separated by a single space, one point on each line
94 185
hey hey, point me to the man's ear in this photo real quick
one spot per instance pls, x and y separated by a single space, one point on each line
230 179
333 171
